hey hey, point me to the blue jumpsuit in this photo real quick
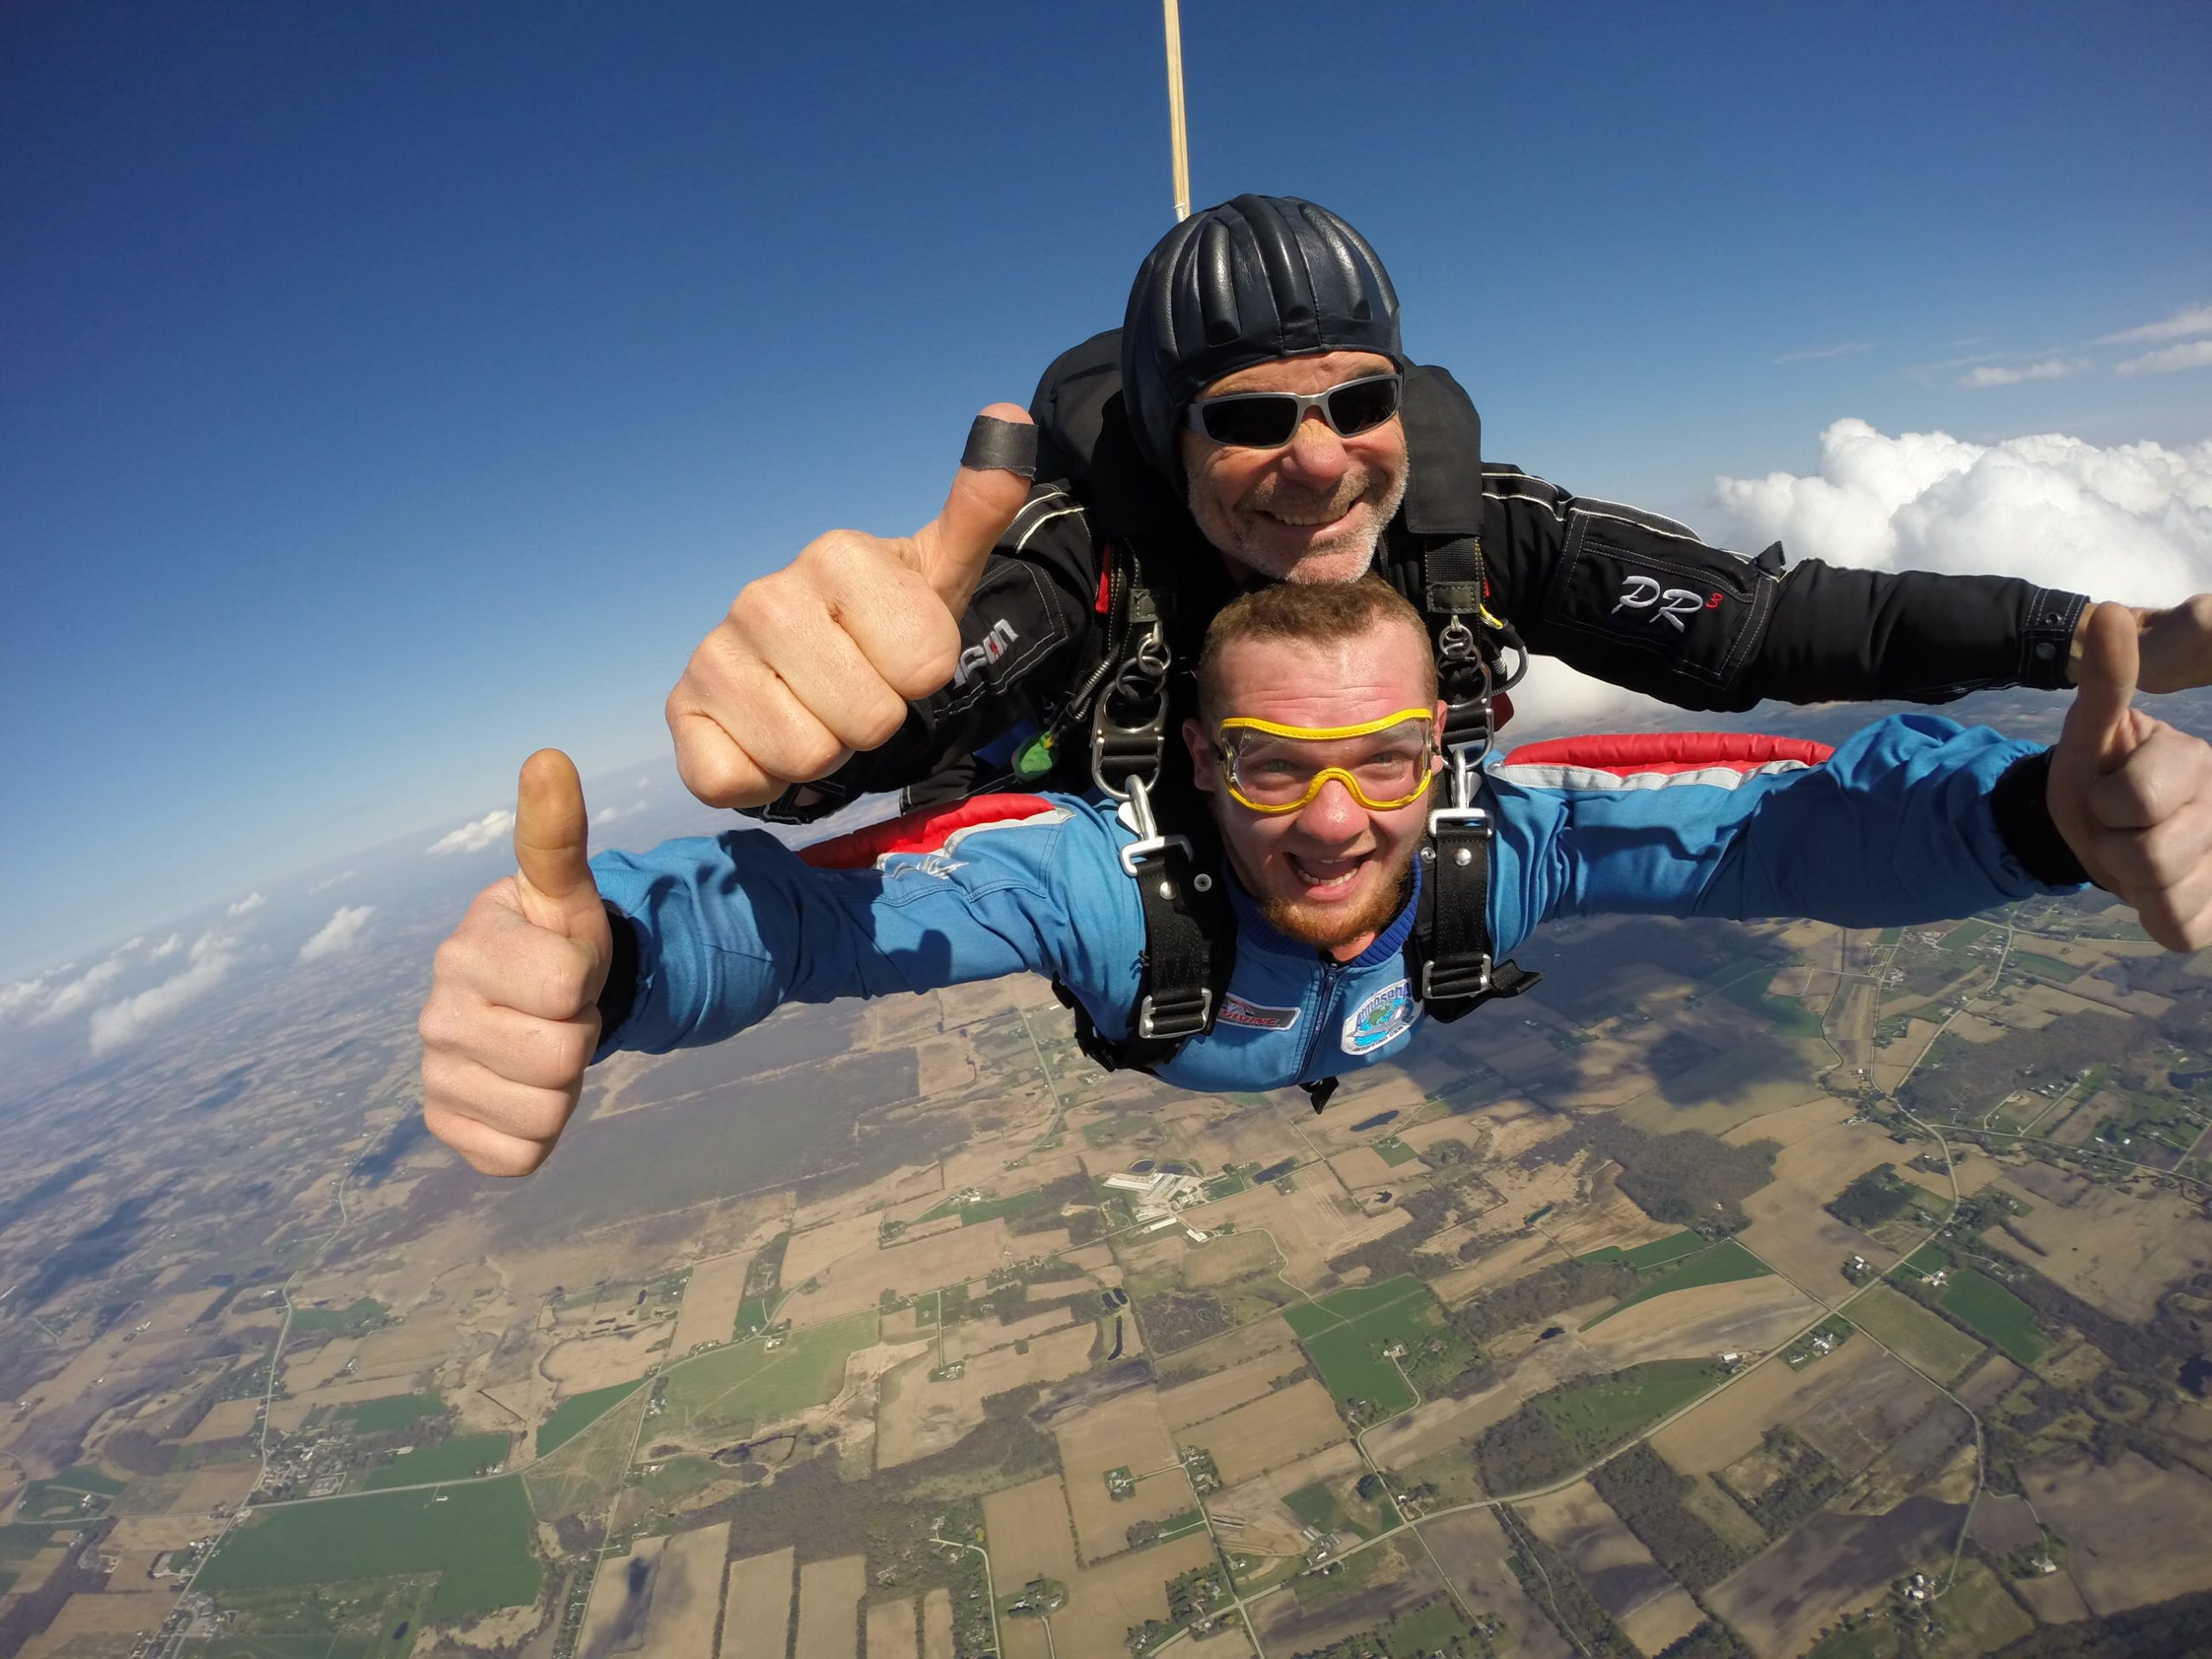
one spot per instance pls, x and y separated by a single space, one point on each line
1895 827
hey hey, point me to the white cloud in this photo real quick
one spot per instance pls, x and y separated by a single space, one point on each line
325 887
1817 354
248 904
2193 319
613 814
211 958
81 993
167 947
2051 368
2133 522
474 837
340 932
26 993
2197 355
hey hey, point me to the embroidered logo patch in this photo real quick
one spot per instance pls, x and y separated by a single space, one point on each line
1235 1011
1389 1013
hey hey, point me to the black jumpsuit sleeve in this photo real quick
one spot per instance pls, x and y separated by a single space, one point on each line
1025 640
1639 600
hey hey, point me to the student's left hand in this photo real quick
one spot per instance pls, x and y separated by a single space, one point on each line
2131 795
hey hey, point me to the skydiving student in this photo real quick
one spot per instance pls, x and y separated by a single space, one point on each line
1257 418
1315 748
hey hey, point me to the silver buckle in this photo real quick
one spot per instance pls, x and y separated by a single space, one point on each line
1147 1027
1150 843
1466 776
1428 982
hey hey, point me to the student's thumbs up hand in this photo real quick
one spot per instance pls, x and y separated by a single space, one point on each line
513 1011
2132 796
819 659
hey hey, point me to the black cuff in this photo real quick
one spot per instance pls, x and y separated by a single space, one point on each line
2021 805
619 995
2047 642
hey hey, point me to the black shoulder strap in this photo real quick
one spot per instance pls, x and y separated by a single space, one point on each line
1449 960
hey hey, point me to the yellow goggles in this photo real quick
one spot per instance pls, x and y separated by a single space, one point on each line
1385 764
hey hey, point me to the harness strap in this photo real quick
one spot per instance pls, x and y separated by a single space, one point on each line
1449 953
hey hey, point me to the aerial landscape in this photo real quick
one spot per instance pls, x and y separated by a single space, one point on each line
1771 1289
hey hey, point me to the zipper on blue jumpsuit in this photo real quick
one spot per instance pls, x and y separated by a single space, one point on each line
1331 973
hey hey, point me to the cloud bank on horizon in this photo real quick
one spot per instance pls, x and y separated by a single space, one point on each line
474 837
2133 523
211 958
342 932
2189 321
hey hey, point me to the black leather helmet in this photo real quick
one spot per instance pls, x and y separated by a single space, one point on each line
1254 279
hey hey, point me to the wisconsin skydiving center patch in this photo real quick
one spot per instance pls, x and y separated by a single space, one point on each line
1390 1013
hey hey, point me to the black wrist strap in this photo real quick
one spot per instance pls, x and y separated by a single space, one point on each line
619 995
2021 805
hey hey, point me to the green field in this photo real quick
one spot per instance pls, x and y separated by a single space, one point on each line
1317 1506
290 1647
1966 934
476 1537
1724 1263
1746 985
1997 1314
1656 1254
359 1317
987 1210
1597 1412
731 1390
1393 1151
449 1460
1176 1525
577 1414
1896 1321
393 1411
1344 1331
2044 967
1427 1632
85 1479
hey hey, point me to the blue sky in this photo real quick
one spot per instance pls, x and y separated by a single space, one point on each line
386 391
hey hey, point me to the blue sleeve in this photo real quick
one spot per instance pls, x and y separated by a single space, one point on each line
1895 827
731 927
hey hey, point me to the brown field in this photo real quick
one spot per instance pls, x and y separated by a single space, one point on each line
2134 1533
918 1417
1104 1601
1208 1396
2066 1002
1830 1565
1027 1530
1363 1166
2082 1121
711 1299
1222 1261
155 1533
1404 1581
686 1594
1470 1547
1651 1609
1728 1424
857 1280
1252 1515
979 1336
1437 1425
1798 1239
226 1419
114 1613
311 1369
2004 1523
891 1633
1922 1338
1852 1427
757 1616
1749 1316
2055 1599
1306 1226
1609 1216
1288 1423
819 1248
226 1483
1891 1064
1502 1266
1973 1173
1124 1432
582 1363
828 1597
610 1619
1235 1347
936 1625
2115 1249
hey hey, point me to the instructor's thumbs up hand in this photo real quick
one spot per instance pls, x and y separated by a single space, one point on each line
2132 796
819 659
513 1013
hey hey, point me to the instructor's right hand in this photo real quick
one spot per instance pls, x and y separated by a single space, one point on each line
819 659
513 1013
